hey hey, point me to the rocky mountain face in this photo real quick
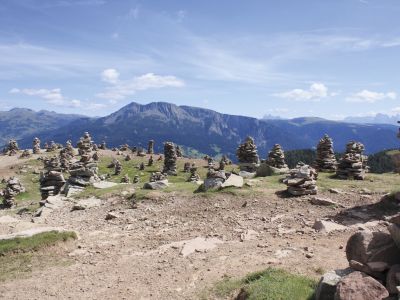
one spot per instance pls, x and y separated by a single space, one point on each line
211 132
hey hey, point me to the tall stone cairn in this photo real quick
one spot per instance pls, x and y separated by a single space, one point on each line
52 147
36 146
103 146
13 188
52 179
302 180
194 176
179 151
326 160
170 159
11 148
276 157
248 156
353 164
85 171
150 147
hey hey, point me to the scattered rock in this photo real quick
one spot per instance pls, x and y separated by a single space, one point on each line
327 226
323 201
326 288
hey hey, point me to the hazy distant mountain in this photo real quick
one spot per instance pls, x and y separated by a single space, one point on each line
377 119
19 123
211 132
271 117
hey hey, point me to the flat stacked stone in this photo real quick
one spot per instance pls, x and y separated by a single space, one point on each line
170 159
136 179
150 147
248 156
222 164
95 147
326 160
276 157
302 180
179 151
95 156
84 172
194 176
157 176
69 149
11 148
353 164
36 146
52 179
13 188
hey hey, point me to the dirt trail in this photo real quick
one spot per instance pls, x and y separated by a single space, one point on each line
138 254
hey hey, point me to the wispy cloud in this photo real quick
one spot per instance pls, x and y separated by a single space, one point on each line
367 96
316 92
51 96
120 89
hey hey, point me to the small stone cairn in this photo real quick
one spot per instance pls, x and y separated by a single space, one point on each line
194 176
52 179
25 154
248 156
157 181
69 149
326 160
103 146
353 164
128 157
222 164
276 158
141 153
13 188
302 180
125 179
117 168
141 166
179 151
186 167
12 148
36 146
151 161
170 159
52 147
150 147
124 147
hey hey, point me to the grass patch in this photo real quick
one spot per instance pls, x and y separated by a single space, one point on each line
271 284
34 243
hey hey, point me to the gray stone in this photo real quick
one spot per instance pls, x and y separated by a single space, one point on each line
213 183
322 201
156 185
246 174
326 288
327 226
233 181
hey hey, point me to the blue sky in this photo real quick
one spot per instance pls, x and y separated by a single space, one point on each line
326 58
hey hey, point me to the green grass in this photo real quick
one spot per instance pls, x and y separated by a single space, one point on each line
270 284
34 243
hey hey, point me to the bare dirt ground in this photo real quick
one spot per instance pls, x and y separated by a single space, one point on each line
144 253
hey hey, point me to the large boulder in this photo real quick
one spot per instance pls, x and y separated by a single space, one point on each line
156 185
233 181
359 286
212 183
393 279
394 230
326 288
366 246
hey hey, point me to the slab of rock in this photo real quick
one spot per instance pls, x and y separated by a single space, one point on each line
393 279
245 174
87 203
326 288
156 185
30 232
394 230
366 246
104 184
213 183
359 286
233 181
323 201
328 226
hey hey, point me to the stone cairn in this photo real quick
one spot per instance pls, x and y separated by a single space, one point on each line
141 166
117 168
13 188
210 163
95 156
186 167
125 179
36 146
134 149
136 179
326 160
374 267
52 179
276 158
52 147
222 164
248 156
128 157
25 154
151 161
141 153
157 176
170 159
124 147
11 148
353 164
103 146
302 180
95 147
69 149
85 171
150 147
179 151
194 176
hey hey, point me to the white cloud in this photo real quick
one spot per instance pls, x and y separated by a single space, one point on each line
110 76
53 96
370 97
316 92
181 14
120 89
